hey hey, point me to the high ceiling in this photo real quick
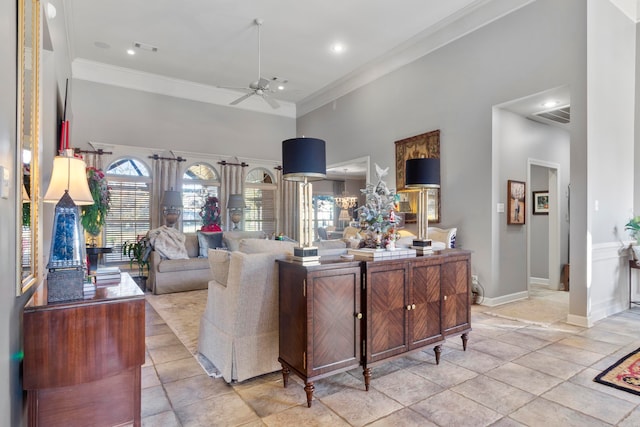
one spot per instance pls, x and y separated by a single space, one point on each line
211 43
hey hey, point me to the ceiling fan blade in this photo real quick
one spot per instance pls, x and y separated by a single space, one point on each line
242 98
244 89
274 104
263 83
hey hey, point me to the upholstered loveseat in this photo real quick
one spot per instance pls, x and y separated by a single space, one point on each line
178 275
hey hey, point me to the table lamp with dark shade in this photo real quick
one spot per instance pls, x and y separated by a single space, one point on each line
171 207
303 160
235 205
423 174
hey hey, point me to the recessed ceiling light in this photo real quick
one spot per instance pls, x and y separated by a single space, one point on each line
131 51
337 48
550 104
280 87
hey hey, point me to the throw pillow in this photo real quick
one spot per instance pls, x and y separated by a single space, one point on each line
219 265
209 240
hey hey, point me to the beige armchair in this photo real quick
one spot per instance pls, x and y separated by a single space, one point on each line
239 327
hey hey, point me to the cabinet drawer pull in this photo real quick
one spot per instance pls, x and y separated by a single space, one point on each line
445 297
413 306
358 315
409 307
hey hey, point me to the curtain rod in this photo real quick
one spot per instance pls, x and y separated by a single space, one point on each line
177 159
225 163
99 151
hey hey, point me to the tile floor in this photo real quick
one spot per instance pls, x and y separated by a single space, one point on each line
512 374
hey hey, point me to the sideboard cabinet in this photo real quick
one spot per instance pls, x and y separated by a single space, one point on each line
338 315
82 359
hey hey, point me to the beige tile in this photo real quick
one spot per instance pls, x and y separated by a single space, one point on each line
632 420
591 402
191 390
151 330
500 349
601 334
551 333
403 418
445 374
300 415
507 422
451 409
178 369
169 353
163 340
474 360
164 419
572 354
224 410
542 412
271 397
494 394
524 378
549 365
523 340
585 343
406 387
153 401
149 377
360 407
334 384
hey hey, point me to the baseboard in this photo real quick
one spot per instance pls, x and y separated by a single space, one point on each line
492 302
582 321
540 281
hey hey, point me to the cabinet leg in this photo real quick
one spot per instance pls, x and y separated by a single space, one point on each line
366 372
465 338
437 350
285 375
308 388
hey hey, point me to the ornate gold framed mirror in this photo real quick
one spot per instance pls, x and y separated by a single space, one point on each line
27 130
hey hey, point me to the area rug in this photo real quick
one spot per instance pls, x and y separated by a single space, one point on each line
624 374
181 311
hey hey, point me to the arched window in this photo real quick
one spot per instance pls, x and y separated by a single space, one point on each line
260 199
129 215
198 182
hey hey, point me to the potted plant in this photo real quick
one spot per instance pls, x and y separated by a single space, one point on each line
138 253
633 227
94 216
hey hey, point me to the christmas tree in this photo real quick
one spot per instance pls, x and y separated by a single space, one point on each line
377 215
210 214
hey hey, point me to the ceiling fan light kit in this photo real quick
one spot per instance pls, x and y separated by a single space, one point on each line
259 87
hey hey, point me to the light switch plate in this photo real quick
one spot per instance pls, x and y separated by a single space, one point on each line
4 182
500 207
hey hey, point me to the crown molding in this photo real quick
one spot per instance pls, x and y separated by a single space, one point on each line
147 82
465 21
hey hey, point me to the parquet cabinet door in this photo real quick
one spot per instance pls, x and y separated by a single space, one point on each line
333 300
424 297
456 302
386 312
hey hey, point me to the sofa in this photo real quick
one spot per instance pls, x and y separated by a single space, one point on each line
239 327
192 273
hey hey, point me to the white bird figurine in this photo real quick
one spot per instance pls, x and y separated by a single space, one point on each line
381 172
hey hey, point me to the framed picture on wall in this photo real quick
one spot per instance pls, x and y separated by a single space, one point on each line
540 202
425 145
516 205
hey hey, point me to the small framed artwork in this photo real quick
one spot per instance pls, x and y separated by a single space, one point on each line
516 204
540 202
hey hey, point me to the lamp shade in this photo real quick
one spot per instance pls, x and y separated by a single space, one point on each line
236 201
171 199
422 173
69 173
303 159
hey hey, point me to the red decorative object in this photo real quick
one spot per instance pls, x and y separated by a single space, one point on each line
211 227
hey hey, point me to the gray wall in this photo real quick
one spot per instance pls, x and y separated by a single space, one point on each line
110 114
454 89
539 226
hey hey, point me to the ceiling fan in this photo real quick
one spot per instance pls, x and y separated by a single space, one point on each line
259 87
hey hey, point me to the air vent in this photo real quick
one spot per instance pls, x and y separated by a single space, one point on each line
559 115
145 46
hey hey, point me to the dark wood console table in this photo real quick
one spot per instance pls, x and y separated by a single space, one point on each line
632 265
82 359
342 314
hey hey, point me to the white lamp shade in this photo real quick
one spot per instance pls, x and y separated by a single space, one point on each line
69 173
